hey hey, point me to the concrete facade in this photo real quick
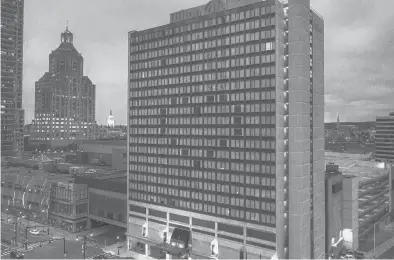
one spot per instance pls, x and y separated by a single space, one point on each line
12 113
384 143
297 226
350 209
334 209
306 168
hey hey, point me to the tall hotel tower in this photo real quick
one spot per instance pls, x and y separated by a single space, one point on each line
12 113
226 133
64 98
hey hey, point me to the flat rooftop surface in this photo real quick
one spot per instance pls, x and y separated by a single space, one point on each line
22 171
106 142
356 164
119 179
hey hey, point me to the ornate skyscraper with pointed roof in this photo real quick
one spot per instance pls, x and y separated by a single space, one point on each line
64 98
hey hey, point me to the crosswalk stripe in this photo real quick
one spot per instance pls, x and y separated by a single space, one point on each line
103 254
5 251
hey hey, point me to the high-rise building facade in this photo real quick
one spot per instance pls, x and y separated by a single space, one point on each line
226 132
12 113
384 138
64 98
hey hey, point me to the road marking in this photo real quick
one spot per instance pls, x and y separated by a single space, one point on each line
108 255
33 245
5 250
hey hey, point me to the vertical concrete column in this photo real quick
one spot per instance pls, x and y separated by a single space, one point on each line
280 127
318 135
147 249
299 129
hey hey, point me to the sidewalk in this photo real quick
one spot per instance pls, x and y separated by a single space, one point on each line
381 249
124 253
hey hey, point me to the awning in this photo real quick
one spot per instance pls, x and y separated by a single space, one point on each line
179 242
215 247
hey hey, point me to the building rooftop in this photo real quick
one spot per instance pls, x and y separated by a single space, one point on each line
116 184
106 142
28 172
356 164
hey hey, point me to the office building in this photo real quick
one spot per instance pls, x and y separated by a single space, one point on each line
226 132
384 139
12 113
64 98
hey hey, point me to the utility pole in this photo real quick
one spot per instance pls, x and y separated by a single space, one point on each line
16 232
64 248
84 248
26 238
374 242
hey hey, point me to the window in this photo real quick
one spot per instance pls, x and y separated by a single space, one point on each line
223 143
238 132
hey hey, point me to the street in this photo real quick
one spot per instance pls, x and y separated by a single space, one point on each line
48 250
388 254
8 232
55 251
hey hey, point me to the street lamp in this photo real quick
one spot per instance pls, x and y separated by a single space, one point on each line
117 242
84 237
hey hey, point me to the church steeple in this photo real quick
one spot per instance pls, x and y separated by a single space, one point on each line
66 36
338 124
110 112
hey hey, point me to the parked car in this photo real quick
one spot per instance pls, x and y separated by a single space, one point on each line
16 255
359 255
34 232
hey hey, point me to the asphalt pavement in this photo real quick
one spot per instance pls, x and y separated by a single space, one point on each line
388 254
8 232
55 250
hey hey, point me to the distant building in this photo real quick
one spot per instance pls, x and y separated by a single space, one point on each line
110 120
12 113
64 98
367 197
384 138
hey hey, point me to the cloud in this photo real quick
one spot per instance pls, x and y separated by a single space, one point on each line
359 46
358 64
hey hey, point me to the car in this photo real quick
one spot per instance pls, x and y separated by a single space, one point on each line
359 254
34 232
16 255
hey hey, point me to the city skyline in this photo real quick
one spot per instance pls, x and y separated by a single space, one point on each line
351 41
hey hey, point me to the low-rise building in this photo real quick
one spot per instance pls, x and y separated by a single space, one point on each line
112 153
44 197
107 195
334 209
367 196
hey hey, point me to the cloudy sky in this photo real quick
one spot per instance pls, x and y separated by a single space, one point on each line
359 49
